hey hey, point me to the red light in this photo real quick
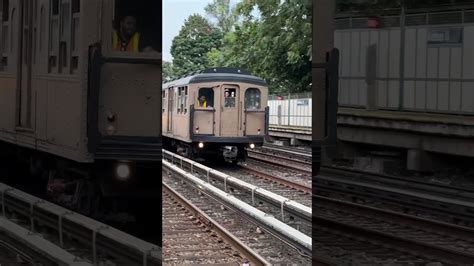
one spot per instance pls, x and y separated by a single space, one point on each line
279 97
373 22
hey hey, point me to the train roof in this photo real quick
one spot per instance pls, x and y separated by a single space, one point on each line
217 74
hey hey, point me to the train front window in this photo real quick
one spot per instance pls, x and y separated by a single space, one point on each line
252 99
229 97
136 26
205 97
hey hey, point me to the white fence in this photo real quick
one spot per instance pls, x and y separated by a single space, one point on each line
437 67
291 111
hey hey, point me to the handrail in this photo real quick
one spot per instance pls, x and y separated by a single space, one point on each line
296 237
93 234
291 205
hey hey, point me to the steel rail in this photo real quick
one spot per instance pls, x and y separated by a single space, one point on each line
421 201
281 153
287 150
418 247
283 181
253 257
295 237
442 189
96 236
402 218
283 202
256 155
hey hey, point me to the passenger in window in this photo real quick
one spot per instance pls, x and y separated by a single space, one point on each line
202 102
128 39
229 101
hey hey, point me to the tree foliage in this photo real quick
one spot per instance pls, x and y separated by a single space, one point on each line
194 41
225 14
276 46
167 71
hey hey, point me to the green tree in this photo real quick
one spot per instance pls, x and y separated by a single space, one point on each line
194 41
275 46
225 15
167 71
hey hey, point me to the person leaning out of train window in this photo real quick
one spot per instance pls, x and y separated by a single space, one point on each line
128 39
202 102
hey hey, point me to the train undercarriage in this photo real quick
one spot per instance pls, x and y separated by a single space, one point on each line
104 190
208 151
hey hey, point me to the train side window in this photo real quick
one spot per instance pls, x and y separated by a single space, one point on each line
4 10
205 97
135 26
182 100
178 100
252 99
229 97
65 36
163 100
185 99
53 36
76 9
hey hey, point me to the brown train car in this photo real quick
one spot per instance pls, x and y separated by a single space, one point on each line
216 112
72 105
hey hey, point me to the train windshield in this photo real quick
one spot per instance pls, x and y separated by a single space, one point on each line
136 26
252 99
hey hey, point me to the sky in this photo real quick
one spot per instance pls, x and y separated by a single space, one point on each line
175 12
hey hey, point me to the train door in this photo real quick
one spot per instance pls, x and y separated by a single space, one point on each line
170 109
24 90
230 106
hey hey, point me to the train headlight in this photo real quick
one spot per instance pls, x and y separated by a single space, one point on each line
197 130
123 171
258 131
252 146
201 145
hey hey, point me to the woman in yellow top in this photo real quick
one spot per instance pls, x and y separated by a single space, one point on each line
127 38
202 102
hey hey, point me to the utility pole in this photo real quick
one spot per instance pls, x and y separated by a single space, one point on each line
323 43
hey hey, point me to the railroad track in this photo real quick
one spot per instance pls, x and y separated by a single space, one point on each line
454 205
276 242
190 236
405 238
287 160
266 196
290 185
303 153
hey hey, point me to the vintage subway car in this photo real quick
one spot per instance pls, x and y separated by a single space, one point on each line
217 112
74 106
